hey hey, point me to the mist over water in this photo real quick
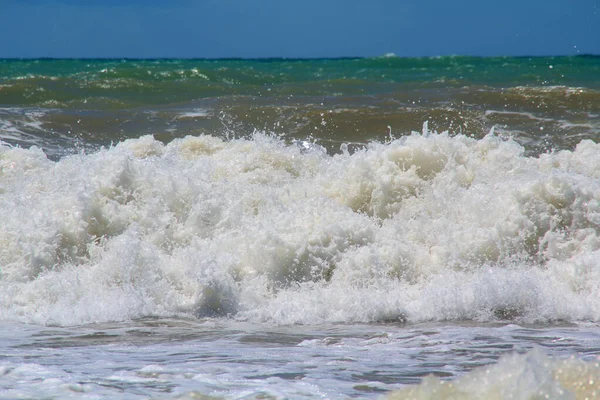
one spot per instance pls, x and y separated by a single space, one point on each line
394 217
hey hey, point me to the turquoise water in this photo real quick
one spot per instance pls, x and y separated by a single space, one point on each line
145 82
300 228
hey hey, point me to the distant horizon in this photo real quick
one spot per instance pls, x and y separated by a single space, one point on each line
592 55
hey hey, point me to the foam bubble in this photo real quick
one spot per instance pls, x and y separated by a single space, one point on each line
426 227
198 113
516 376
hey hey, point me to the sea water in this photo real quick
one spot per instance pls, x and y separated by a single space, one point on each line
418 228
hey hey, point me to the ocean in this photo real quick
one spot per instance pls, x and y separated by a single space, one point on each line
403 228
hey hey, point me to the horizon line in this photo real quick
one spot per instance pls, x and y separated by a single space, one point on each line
385 56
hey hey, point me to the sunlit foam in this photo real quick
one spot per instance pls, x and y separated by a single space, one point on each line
426 227
516 376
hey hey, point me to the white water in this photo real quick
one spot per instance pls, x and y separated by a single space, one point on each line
424 228
529 376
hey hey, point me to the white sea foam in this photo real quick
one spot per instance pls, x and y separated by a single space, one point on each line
198 113
16 122
527 376
427 227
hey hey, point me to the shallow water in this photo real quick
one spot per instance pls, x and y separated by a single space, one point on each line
167 358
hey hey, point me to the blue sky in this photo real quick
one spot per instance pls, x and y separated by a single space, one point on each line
307 28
